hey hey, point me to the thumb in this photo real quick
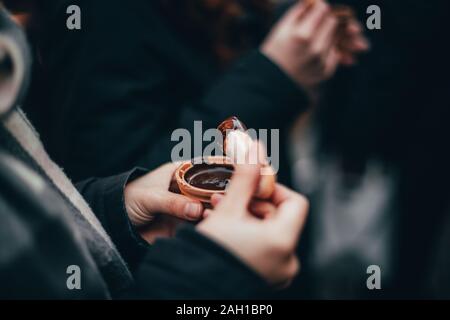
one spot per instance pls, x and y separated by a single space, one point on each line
244 181
173 204
291 213
297 11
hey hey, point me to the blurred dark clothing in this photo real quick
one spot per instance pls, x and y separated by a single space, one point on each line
37 243
393 109
119 87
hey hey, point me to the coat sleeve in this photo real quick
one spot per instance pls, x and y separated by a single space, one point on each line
191 266
106 198
116 102
187 266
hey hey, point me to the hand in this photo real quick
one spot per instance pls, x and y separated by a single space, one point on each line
303 44
353 42
148 196
266 241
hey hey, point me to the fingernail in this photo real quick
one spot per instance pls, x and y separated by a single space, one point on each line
193 210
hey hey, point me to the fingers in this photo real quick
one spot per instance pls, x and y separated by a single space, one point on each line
347 59
325 38
259 208
352 42
310 21
353 39
281 194
355 32
332 61
244 183
216 198
169 167
296 12
291 213
207 213
161 176
176 205
262 209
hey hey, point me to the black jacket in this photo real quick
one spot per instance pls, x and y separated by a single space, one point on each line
118 87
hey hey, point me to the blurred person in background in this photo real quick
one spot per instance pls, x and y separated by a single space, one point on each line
49 228
373 159
111 94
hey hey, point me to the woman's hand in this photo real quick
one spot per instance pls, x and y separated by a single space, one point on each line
263 235
304 44
149 195
353 43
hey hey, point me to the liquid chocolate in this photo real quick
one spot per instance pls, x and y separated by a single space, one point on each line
209 176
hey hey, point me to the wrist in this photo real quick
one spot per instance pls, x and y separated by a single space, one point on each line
310 89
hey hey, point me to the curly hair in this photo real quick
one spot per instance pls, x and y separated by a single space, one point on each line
227 27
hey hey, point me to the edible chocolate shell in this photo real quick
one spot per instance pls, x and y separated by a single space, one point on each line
236 144
201 179
229 125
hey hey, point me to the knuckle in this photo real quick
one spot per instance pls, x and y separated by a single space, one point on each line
175 207
172 206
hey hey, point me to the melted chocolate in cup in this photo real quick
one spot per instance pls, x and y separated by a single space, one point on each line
209 176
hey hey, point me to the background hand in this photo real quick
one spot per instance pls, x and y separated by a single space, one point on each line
303 43
353 43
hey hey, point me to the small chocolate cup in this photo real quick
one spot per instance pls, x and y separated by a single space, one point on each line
193 192
264 191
